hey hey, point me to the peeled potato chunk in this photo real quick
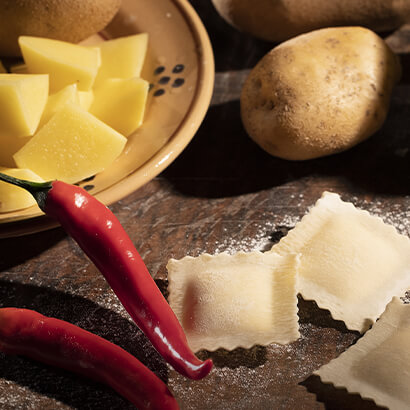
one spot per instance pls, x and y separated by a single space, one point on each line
85 99
22 100
71 146
122 57
9 145
66 63
57 100
12 197
19 69
121 103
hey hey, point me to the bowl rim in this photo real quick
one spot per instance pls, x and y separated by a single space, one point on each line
176 143
193 117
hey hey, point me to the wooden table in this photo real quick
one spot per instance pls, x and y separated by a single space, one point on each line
222 194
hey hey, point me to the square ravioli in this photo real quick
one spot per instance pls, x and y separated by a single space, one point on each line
229 301
351 263
376 367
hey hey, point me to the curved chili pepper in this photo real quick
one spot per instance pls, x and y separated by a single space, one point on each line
59 343
104 240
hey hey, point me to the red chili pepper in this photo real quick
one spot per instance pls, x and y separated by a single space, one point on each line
59 343
104 240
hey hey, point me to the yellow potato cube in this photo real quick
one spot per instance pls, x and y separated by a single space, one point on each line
57 100
85 99
12 197
19 69
2 68
71 146
9 145
121 103
122 57
66 63
22 100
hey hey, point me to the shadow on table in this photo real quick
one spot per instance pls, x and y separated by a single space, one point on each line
66 387
405 63
336 399
15 251
331 397
223 161
251 358
233 49
310 312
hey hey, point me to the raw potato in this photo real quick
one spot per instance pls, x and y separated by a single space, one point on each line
22 100
19 69
121 103
68 20
122 57
13 198
56 101
319 93
9 145
71 146
85 99
65 63
279 20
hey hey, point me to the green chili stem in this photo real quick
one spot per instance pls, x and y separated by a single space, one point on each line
39 190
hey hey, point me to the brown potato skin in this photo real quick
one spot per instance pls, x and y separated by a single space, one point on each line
319 93
67 20
279 20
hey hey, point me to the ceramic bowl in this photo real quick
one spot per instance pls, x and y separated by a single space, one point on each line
180 68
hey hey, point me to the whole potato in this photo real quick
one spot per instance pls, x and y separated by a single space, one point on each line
67 20
279 20
319 93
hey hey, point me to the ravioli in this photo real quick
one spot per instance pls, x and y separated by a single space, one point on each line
351 263
228 301
376 366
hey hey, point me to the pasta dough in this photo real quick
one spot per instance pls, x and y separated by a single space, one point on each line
351 262
228 301
376 366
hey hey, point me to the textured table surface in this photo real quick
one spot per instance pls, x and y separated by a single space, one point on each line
222 194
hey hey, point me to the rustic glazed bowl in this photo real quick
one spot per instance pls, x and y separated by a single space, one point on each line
180 68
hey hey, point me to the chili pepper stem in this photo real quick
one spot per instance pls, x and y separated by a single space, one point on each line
39 190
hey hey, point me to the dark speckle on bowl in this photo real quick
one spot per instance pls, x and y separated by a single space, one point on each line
164 80
159 70
178 69
159 92
178 82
